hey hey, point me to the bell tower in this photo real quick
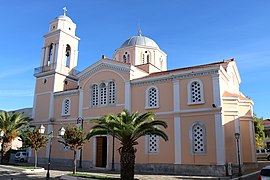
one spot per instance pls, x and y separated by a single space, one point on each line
57 71
60 49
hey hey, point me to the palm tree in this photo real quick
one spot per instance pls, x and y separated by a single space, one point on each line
11 124
128 128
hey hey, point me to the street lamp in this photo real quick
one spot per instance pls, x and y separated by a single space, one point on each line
237 136
80 121
61 133
113 169
2 133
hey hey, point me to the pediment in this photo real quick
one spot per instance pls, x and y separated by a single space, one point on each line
104 64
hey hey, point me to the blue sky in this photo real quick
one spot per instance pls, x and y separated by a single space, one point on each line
190 32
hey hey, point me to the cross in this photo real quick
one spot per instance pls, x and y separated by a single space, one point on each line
65 10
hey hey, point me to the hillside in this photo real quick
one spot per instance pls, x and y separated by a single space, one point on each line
27 111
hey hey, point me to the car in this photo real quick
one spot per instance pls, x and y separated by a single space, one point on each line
263 154
265 173
21 156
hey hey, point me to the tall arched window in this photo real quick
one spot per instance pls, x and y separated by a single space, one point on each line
198 137
103 94
152 97
146 57
50 58
67 55
66 107
152 143
94 95
126 57
111 99
195 92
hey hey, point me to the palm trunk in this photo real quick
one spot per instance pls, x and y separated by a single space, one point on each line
35 159
127 161
74 162
6 152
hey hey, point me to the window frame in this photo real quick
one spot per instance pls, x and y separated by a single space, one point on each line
190 92
63 107
147 145
147 98
192 142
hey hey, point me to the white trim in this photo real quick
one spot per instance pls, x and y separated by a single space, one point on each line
176 95
94 151
220 140
177 140
127 96
201 92
51 108
80 110
216 91
177 123
147 105
48 92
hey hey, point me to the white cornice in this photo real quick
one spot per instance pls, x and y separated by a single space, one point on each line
64 93
176 75
58 31
103 64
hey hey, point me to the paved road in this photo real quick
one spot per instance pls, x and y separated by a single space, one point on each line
10 173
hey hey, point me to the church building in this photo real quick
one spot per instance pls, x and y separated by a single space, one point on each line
202 105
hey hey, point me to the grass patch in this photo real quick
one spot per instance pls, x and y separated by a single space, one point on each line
92 176
24 166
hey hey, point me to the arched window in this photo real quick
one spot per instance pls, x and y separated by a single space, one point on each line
198 138
94 95
67 55
126 57
152 97
161 63
50 58
146 57
111 99
103 94
66 107
195 92
152 143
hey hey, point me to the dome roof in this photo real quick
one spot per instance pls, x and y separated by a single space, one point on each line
139 41
64 18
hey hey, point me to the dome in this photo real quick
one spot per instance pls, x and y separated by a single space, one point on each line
64 18
139 41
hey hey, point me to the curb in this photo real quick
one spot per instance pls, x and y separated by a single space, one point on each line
33 171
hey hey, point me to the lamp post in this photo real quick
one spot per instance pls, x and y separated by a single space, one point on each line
113 169
61 133
237 136
2 133
80 121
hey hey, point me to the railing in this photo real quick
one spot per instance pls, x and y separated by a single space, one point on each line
52 66
46 68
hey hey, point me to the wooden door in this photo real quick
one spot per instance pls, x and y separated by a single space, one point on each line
101 156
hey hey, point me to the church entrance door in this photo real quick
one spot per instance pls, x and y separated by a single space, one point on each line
101 156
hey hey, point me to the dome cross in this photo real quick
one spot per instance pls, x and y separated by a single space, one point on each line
65 10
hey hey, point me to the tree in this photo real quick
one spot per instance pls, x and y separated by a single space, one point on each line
128 128
259 131
74 138
11 124
35 140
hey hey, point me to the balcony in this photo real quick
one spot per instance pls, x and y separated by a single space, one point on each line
52 66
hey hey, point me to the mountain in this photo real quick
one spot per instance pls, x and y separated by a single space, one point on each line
27 111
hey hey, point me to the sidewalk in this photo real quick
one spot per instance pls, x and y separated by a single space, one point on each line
60 173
